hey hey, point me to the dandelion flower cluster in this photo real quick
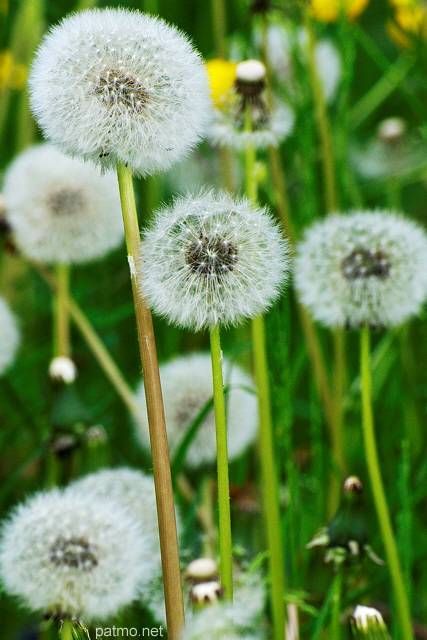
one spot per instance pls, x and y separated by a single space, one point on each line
9 336
61 209
116 86
187 386
212 259
69 553
271 121
363 268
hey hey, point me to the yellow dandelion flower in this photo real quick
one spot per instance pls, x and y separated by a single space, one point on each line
13 75
329 10
410 22
222 76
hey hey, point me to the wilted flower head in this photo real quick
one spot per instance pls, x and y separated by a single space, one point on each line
367 623
187 386
330 10
363 268
9 336
111 85
212 259
72 554
345 539
61 209
270 120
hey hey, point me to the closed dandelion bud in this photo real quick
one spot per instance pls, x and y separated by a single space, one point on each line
187 387
115 86
212 259
363 268
205 593
61 209
201 570
9 337
367 624
345 539
270 121
62 369
73 555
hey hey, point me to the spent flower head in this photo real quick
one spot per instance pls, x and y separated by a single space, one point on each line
72 554
9 336
117 86
363 268
187 386
61 209
212 259
243 115
367 624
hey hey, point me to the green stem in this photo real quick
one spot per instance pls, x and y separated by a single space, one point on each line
61 315
222 466
269 480
67 630
156 419
219 28
371 455
336 606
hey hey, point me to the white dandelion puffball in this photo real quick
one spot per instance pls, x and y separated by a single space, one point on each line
212 259
69 553
363 268
61 209
116 86
9 336
187 386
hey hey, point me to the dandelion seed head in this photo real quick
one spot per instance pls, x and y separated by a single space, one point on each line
71 554
212 259
362 268
63 369
61 209
111 85
367 619
187 385
9 336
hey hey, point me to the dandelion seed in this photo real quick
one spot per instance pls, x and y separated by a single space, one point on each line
71 554
363 268
60 209
271 121
187 386
212 259
9 336
115 86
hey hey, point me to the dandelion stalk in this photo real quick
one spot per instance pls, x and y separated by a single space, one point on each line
381 507
61 315
67 630
222 465
158 437
335 633
269 480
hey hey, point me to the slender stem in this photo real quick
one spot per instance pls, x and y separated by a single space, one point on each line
67 630
61 315
156 419
323 125
222 466
383 515
336 606
206 516
269 480
219 28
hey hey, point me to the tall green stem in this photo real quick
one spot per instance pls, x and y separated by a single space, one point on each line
222 466
219 27
371 455
270 485
67 630
335 633
61 314
156 419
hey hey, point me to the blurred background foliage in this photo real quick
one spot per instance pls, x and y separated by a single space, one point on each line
384 81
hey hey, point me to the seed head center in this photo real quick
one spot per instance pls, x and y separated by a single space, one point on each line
72 552
115 87
363 263
213 256
65 202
